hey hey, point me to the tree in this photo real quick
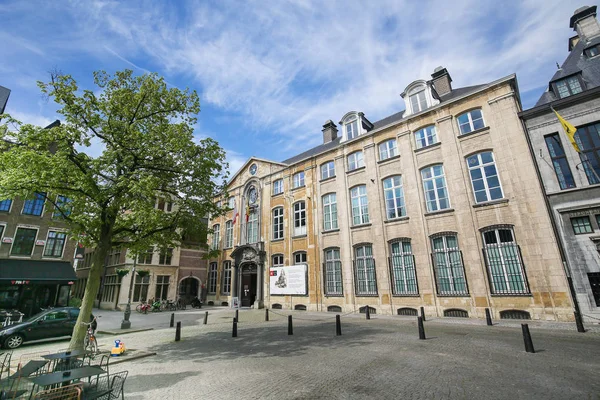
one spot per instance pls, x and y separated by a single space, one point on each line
148 151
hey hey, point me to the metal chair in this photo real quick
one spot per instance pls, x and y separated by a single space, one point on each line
5 359
70 392
117 383
34 361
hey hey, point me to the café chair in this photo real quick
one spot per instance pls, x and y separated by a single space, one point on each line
70 392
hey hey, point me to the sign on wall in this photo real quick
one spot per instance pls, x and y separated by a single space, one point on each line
288 280
7 240
40 242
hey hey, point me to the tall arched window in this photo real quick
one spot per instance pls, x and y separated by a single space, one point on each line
364 270
278 223
252 227
299 218
434 186
504 262
470 121
484 177
448 265
360 205
330 212
216 236
404 277
226 280
228 234
394 197
333 272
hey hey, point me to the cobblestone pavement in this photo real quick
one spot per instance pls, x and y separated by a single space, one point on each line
377 359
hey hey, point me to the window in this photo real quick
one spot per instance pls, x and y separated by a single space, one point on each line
404 278
231 203
394 197
114 257
252 227
63 206
299 218
162 287
299 179
355 160
55 243
588 140
299 257
146 257
333 272
426 137
164 205
228 234
448 266
434 185
327 170
470 121
226 279
212 279
484 177
140 289
165 257
388 149
568 86
351 129
360 206
364 266
5 205
23 242
592 51
329 212
581 225
56 316
216 236
36 205
278 223
559 161
504 262
278 260
278 186
418 101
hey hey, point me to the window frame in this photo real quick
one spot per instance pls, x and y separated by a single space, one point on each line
332 269
141 288
165 255
299 182
37 231
300 221
276 265
64 243
470 121
216 237
395 199
162 286
330 209
226 278
556 159
351 121
277 213
228 234
481 166
252 227
435 188
421 89
6 210
61 200
328 167
363 216
422 135
370 285
211 287
566 79
148 253
300 253
579 226
358 162
450 269
384 148
403 263
278 183
589 155
34 205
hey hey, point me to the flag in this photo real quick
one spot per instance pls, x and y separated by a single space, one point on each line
569 129
235 211
247 209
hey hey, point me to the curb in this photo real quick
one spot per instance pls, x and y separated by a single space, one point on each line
124 331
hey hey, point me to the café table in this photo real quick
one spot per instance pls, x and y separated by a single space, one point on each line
66 356
65 377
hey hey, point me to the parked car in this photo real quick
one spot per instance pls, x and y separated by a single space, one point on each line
55 322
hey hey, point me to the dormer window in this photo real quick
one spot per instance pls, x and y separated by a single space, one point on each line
351 129
592 51
418 100
418 97
568 86
355 124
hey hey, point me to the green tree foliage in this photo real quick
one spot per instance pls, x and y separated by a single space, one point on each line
146 132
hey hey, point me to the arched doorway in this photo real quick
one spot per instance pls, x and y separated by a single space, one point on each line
189 289
249 280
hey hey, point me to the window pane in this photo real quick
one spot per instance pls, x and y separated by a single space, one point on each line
23 242
581 225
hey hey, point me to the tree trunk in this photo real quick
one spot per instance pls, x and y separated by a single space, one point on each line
91 291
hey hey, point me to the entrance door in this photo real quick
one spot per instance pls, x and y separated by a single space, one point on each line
248 289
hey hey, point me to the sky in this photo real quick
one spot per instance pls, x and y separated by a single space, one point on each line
270 73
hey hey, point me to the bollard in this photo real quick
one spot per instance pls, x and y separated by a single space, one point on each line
267 314
527 339
423 313
368 313
172 320
290 327
178 332
234 331
579 322
206 318
488 317
338 326
421 328
237 315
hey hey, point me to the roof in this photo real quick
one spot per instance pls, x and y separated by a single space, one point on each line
36 270
575 63
4 94
394 118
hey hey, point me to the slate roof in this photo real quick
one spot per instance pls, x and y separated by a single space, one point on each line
455 93
576 62
4 94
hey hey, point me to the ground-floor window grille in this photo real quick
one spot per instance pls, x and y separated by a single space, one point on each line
505 267
333 272
402 263
448 266
111 285
364 271
212 279
140 289
162 287
226 285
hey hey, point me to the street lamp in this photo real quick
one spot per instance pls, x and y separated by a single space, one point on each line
126 324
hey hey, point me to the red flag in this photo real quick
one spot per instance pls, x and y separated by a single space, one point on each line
235 212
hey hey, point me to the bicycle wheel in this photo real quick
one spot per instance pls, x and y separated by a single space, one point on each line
86 342
94 345
138 308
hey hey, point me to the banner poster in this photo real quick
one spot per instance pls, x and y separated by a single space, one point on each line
288 280
235 302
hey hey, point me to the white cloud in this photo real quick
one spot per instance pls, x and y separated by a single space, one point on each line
235 160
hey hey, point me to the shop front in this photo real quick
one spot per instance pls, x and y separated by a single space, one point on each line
32 285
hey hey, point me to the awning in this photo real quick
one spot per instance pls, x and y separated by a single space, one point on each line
36 271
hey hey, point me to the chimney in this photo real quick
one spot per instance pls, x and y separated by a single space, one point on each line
584 22
441 81
329 132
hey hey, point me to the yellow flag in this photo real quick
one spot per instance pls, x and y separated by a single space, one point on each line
569 129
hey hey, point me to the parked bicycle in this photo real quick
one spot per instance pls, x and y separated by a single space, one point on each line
143 307
89 342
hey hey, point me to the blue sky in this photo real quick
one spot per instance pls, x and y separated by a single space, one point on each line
270 73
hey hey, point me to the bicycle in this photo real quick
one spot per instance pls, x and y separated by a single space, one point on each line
89 342
143 307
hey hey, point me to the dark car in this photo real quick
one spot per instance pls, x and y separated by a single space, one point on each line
55 322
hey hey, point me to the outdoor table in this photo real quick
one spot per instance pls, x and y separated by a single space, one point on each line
66 356
55 378
31 367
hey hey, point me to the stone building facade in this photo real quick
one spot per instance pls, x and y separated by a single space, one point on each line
571 180
437 206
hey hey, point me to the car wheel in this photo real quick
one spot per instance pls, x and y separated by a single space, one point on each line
13 341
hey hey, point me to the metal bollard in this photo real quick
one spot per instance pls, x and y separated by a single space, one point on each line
423 313
178 332
368 312
206 318
421 328
234 331
488 317
267 314
290 327
527 339
579 322
338 326
237 315
172 320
